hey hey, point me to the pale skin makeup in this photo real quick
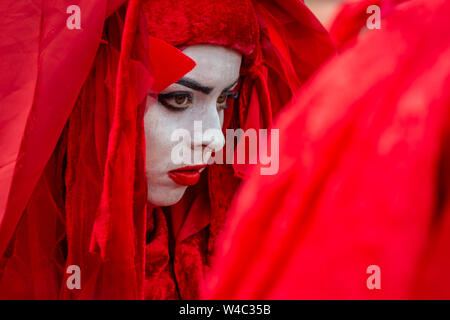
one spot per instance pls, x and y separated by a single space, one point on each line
201 95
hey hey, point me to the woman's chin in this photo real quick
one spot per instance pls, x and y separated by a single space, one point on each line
164 197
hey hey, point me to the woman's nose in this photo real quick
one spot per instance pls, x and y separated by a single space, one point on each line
211 130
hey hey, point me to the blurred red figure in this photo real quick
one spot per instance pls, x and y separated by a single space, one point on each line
361 207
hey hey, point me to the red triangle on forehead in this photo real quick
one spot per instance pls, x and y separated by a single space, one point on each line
168 64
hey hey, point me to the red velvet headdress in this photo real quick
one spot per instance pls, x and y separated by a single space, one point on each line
181 23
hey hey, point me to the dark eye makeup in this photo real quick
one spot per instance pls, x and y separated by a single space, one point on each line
181 100
223 98
176 101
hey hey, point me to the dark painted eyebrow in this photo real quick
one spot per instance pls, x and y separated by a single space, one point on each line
198 87
194 85
231 86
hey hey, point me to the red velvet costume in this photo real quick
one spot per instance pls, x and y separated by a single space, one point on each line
72 178
366 181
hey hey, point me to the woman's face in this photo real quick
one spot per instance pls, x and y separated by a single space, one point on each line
201 95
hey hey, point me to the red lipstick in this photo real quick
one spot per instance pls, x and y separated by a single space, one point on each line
186 176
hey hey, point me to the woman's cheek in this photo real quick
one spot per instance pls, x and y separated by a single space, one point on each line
159 126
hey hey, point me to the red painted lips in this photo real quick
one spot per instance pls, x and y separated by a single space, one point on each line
186 176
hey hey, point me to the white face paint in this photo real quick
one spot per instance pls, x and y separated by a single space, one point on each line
178 107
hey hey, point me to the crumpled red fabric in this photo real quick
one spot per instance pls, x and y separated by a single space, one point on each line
93 189
30 44
364 177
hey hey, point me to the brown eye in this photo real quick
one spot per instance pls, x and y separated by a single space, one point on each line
222 98
180 99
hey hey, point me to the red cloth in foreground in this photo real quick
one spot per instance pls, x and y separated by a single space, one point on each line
88 207
364 177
